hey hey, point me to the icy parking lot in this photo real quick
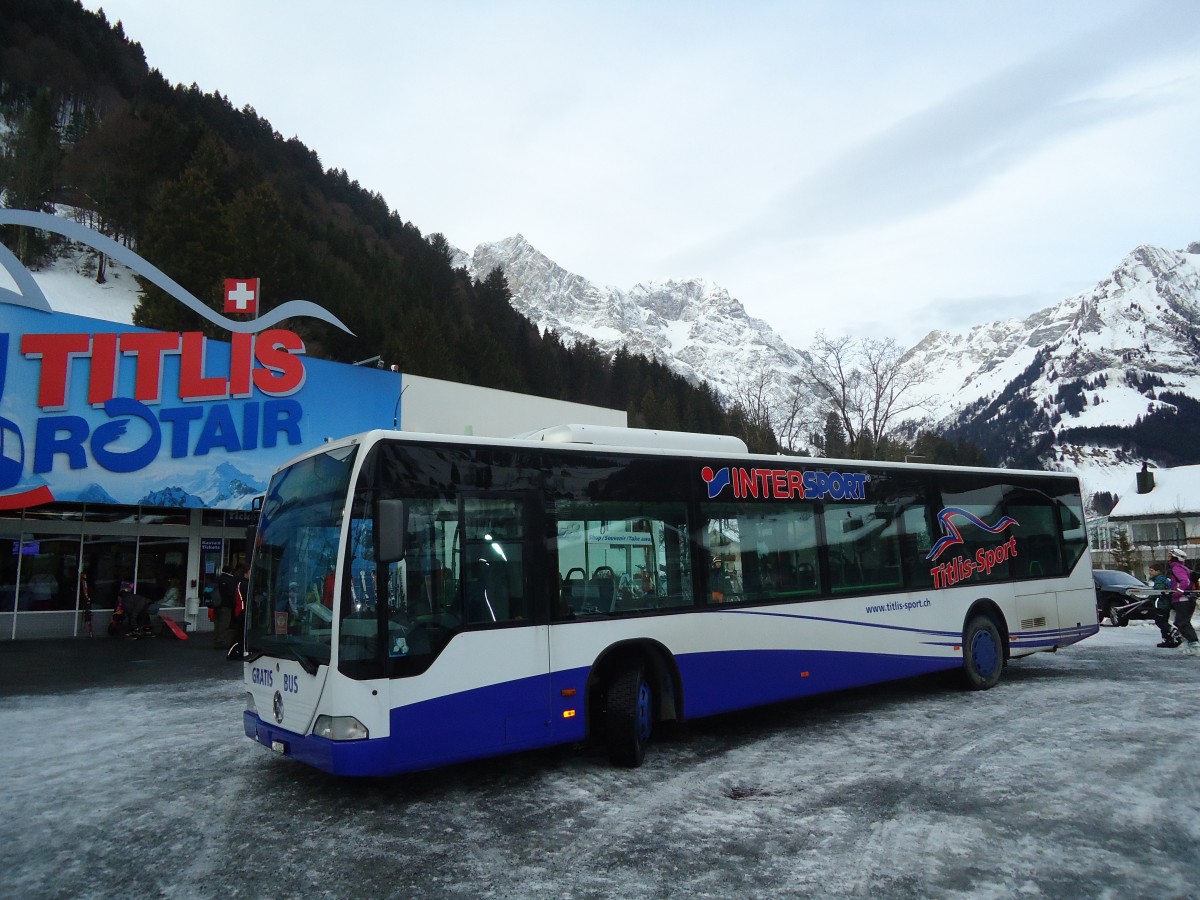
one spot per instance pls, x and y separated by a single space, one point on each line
1078 776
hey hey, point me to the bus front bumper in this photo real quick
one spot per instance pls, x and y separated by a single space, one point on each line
363 757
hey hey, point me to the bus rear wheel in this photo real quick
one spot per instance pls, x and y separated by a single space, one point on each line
983 653
629 718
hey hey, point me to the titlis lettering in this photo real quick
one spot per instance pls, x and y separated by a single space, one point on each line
963 567
277 350
279 373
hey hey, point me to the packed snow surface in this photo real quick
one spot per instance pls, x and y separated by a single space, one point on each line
1075 777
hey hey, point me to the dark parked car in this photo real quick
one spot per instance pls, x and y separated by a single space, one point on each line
1121 597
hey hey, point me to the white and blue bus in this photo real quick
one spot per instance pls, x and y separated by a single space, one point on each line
420 600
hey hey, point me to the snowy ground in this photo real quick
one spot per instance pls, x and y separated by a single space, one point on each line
70 290
1076 777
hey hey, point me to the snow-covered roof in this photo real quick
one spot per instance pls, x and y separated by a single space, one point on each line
1175 491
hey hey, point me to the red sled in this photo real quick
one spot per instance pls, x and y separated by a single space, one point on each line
173 627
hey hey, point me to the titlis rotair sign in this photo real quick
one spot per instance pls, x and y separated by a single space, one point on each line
103 411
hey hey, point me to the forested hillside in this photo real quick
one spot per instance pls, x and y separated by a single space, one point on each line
205 191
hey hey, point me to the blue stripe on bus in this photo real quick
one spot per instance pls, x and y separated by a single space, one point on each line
527 713
727 680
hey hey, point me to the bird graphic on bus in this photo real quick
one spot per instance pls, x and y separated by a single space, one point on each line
951 535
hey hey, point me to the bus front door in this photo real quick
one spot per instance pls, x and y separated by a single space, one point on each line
473 570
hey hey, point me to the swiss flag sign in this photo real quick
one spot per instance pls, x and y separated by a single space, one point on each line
241 295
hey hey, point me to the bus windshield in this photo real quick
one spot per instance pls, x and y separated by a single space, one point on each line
290 613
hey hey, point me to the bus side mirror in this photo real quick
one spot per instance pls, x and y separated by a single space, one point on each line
391 524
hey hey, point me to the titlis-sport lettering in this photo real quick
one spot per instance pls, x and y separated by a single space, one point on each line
785 484
963 567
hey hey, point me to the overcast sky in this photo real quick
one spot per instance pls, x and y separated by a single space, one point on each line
878 168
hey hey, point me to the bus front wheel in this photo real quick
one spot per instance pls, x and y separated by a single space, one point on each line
630 717
983 653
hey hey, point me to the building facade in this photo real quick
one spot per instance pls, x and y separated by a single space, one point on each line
1159 511
132 454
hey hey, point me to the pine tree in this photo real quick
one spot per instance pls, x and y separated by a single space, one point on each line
187 237
29 170
259 244
833 442
1124 554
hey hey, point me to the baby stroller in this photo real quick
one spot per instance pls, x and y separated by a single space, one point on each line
1154 605
1138 605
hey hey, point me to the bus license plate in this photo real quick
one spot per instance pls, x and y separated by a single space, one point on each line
279 746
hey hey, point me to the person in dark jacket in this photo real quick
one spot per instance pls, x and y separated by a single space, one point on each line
138 610
223 615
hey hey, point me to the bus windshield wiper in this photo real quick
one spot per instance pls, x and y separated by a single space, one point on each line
307 663
282 648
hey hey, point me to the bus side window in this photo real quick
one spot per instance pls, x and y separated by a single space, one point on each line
1038 554
492 569
723 544
864 547
618 557
916 541
481 601
765 554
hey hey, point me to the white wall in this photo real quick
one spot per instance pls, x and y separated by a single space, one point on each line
446 407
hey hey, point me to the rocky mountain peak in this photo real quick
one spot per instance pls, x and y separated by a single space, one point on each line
692 325
1099 358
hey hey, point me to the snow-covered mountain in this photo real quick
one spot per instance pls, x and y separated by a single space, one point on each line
1145 318
694 327
171 496
1101 357
226 485
93 493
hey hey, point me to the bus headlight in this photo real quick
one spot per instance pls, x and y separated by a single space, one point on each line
250 703
340 728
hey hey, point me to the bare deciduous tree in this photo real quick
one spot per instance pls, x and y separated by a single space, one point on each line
774 401
866 383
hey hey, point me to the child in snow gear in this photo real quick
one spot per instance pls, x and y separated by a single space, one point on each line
1182 600
1162 607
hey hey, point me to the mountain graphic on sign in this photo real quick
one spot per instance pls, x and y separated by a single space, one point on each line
226 485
